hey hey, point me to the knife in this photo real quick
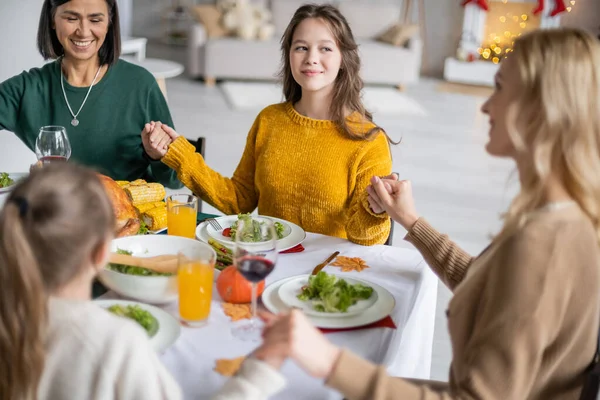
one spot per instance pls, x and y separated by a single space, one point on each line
324 263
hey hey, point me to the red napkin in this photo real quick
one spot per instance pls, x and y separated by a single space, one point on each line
386 322
296 249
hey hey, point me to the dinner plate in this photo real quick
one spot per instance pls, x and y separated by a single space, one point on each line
382 308
168 326
296 236
289 291
16 177
229 220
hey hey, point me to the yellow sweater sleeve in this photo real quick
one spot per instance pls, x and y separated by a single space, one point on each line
363 226
230 196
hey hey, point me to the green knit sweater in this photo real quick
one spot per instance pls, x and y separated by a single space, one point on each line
108 137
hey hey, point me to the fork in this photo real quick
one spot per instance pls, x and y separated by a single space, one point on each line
215 224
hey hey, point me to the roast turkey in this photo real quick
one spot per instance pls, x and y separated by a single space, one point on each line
127 218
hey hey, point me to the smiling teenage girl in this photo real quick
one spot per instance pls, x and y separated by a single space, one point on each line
307 160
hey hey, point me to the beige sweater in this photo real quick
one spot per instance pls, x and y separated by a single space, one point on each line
523 322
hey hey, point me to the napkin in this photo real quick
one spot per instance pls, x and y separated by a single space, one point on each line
386 322
296 249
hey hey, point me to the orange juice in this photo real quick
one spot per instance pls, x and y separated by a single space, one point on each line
195 282
181 221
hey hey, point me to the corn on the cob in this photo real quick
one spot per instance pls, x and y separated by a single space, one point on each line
122 183
143 207
138 182
155 218
145 193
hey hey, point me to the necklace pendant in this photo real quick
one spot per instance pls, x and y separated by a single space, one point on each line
75 122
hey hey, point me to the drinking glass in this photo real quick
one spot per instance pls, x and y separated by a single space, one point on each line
52 145
255 255
195 273
182 210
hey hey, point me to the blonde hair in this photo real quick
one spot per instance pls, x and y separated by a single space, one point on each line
559 127
50 225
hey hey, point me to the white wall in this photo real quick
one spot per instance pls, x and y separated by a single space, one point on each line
18 29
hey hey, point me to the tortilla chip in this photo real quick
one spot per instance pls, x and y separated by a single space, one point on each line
237 311
350 263
228 367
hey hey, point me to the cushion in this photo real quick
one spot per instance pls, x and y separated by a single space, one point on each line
209 16
398 34
368 19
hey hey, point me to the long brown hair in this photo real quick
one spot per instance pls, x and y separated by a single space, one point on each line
560 132
348 84
50 225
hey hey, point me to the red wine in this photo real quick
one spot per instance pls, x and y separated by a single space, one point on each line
53 159
254 269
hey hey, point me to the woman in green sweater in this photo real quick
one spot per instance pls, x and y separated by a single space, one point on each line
102 101
524 317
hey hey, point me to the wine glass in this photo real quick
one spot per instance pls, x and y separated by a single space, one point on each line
255 255
52 145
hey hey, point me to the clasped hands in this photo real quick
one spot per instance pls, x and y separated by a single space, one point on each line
156 138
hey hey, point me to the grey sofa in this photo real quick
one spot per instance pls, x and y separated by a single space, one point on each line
234 58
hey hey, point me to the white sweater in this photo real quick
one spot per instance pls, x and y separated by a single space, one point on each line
92 354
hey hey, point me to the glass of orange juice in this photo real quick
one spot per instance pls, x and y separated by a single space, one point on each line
195 282
182 210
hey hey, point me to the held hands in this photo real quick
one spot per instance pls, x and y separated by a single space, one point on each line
395 197
292 336
156 138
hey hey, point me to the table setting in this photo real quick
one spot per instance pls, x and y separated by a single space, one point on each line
394 328
194 281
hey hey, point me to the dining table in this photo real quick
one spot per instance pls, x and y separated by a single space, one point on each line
404 347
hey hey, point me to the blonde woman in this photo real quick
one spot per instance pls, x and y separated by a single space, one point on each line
525 313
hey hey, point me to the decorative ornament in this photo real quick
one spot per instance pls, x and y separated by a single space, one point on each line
559 7
481 3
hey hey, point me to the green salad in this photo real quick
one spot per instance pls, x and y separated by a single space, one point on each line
143 228
331 294
139 315
254 235
131 270
5 180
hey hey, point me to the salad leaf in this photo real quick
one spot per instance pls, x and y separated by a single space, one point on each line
131 270
143 228
254 234
329 293
5 180
139 315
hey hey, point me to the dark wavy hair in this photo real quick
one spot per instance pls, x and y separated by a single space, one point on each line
50 48
348 84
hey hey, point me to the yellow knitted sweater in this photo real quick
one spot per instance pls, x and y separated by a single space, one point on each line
298 169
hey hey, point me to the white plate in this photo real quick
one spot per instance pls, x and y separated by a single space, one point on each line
168 326
296 236
229 220
16 177
289 291
382 308
157 231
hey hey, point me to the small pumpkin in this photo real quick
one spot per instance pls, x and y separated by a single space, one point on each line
234 288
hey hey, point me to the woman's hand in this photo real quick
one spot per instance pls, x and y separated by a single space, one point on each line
373 199
395 197
292 335
170 131
155 140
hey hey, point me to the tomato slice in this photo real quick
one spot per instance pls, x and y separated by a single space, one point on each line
227 232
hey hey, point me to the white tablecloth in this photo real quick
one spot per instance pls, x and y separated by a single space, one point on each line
406 351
